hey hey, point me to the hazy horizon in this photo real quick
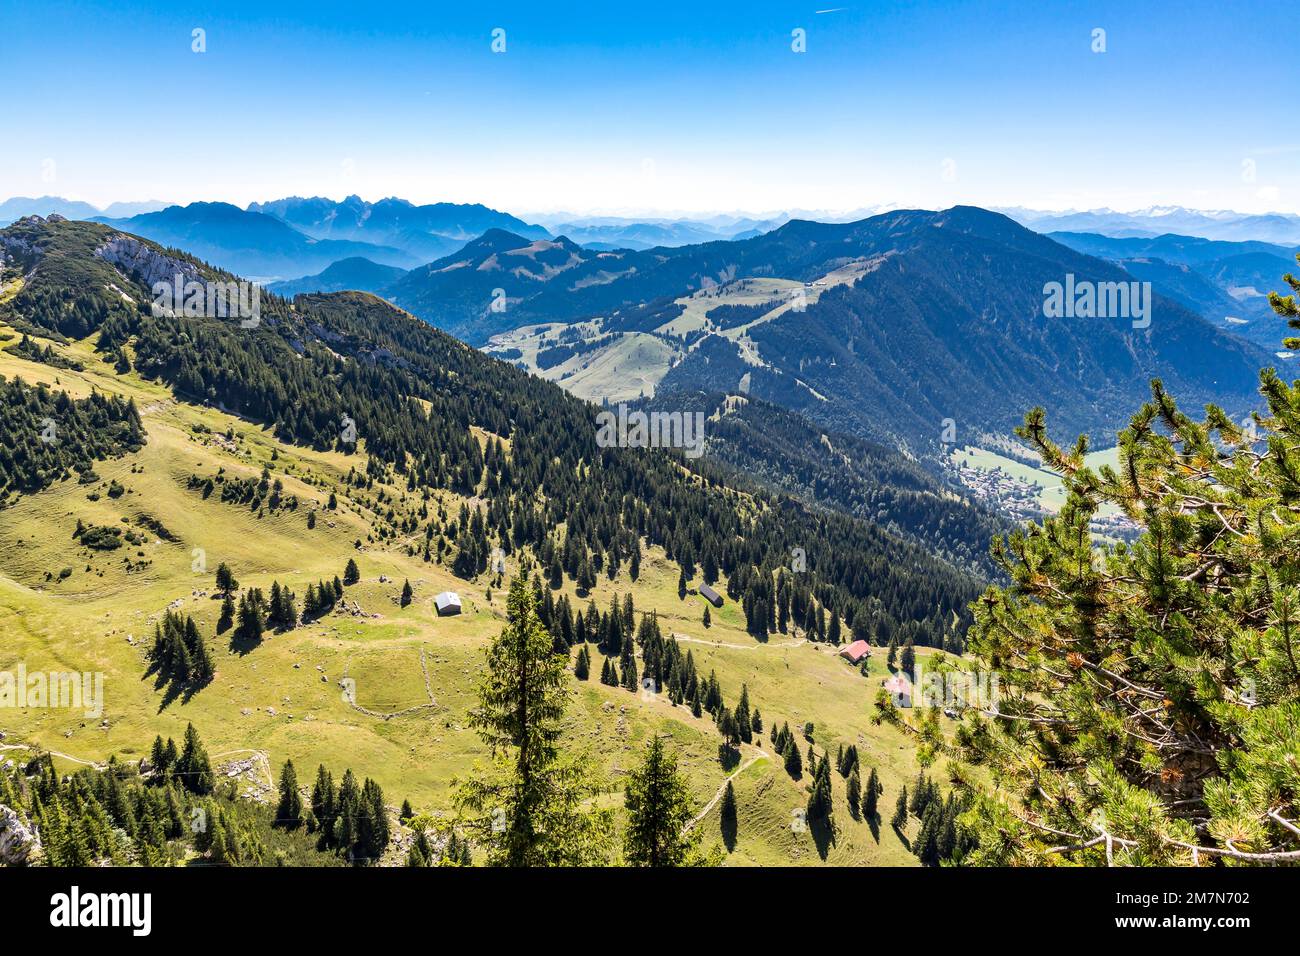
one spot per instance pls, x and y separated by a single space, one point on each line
665 215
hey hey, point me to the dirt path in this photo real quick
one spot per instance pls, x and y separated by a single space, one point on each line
738 647
723 788
53 753
349 695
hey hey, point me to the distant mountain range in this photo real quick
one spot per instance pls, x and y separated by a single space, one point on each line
1158 221
882 328
250 243
294 237
607 233
20 206
356 273
425 232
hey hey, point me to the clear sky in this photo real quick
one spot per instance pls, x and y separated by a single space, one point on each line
656 106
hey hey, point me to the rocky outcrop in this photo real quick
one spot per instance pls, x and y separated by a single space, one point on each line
144 263
20 842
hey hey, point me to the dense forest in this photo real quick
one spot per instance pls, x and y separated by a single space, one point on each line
46 436
170 809
787 453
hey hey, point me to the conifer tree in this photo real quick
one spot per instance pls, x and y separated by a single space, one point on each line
537 797
871 796
728 728
1146 709
744 728
793 761
252 624
323 803
900 810
627 664
289 812
192 767
227 617
226 582
820 803
659 809
158 756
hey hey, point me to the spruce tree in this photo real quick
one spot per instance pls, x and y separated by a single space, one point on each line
871 796
227 617
226 582
324 803
627 664
289 812
744 729
899 820
853 789
158 756
536 798
192 767
659 808
793 761
820 805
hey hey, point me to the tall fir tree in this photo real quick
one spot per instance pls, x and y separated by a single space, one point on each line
289 812
659 809
533 810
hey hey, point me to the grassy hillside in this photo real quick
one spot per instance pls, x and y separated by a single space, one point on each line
283 699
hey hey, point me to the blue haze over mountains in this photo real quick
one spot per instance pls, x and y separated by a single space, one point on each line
947 323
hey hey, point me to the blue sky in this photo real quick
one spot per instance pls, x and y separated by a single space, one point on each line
668 107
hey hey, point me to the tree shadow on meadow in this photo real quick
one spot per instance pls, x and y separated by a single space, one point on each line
172 689
823 834
729 828
901 832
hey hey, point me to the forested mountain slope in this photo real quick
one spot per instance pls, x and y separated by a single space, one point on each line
882 328
246 462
